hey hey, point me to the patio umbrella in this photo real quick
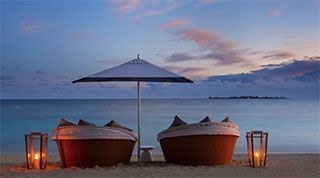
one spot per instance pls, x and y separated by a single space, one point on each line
137 70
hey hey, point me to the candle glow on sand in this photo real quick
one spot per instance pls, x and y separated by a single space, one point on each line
256 159
36 150
36 161
257 148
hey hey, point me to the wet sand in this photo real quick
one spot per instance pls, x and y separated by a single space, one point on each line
278 165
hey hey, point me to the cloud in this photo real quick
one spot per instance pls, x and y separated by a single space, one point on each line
169 6
61 77
312 57
274 13
278 55
174 24
7 81
32 26
291 36
39 72
43 84
228 57
220 50
272 55
241 84
6 77
256 52
296 79
125 6
308 77
224 58
195 73
180 57
202 37
293 70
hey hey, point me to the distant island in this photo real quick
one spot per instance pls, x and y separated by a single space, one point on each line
248 97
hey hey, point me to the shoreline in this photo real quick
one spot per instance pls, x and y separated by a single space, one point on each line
160 154
278 165
204 98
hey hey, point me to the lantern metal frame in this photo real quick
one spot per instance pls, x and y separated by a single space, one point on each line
30 147
263 147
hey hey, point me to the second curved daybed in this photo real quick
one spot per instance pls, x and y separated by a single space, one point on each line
90 145
204 143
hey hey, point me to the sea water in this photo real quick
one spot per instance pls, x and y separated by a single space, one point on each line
293 124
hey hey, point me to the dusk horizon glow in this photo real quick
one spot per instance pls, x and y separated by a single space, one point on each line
228 48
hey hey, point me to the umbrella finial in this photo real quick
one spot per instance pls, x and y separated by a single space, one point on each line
138 56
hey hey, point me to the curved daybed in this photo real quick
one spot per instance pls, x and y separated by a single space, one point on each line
90 145
204 143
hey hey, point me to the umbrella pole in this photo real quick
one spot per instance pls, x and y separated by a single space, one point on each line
138 117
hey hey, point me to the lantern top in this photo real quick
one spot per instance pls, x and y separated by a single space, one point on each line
257 132
36 133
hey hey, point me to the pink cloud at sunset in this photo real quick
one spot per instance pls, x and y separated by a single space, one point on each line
194 73
173 24
202 37
220 50
125 6
278 55
167 7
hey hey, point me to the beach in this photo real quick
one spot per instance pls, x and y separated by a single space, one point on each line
278 165
160 88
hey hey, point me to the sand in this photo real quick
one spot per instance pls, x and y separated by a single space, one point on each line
279 165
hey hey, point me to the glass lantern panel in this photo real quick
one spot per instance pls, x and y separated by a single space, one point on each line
249 148
28 150
44 151
35 149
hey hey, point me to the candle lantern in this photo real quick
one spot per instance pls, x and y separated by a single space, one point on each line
36 150
257 146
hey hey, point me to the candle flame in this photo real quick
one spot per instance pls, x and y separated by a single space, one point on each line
36 156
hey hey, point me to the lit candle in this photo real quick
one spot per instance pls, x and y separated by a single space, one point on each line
36 161
256 159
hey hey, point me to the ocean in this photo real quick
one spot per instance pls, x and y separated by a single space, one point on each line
293 124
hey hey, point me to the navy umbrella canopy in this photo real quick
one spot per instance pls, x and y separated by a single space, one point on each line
136 70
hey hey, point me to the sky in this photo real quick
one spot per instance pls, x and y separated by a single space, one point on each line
229 48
